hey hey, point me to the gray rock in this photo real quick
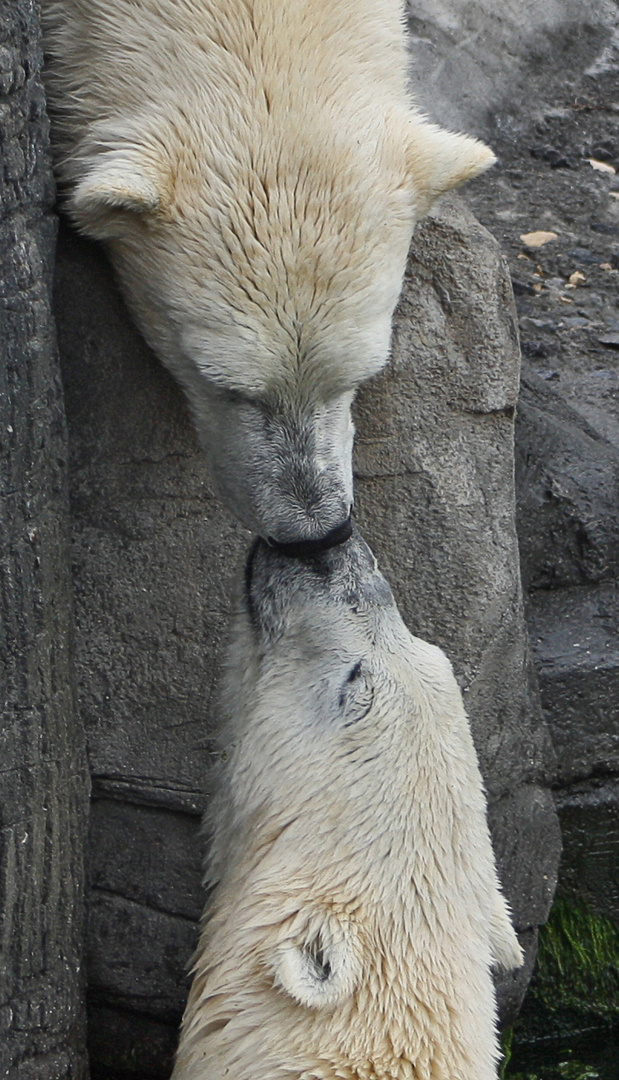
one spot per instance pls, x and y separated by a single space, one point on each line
526 834
477 64
575 638
435 488
567 477
435 497
589 818
148 855
138 958
44 785
154 556
155 562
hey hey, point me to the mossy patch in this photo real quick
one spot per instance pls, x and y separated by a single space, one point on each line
568 1025
577 970
586 1060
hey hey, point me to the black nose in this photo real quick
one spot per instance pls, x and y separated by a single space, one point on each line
299 549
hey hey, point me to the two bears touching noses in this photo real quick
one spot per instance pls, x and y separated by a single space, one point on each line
255 170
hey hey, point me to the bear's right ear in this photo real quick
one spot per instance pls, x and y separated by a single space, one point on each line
439 160
323 967
116 181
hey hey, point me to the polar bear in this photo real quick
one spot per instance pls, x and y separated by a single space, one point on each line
356 912
255 169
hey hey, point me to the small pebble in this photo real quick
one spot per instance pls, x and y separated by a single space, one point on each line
538 239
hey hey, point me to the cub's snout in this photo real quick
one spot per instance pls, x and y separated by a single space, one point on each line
290 583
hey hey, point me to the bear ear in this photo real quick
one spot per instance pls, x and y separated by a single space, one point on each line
116 181
323 967
440 160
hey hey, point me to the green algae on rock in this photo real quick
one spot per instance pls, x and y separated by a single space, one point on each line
578 966
569 1023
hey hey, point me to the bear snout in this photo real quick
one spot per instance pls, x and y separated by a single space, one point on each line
281 579
302 548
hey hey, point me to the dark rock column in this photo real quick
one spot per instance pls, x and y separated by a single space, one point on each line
43 775
568 496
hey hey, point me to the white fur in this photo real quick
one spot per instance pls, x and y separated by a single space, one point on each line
255 168
356 912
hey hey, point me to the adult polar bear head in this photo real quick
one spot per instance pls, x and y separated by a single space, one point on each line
255 168
356 912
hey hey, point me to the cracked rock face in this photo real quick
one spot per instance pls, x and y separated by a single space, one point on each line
156 560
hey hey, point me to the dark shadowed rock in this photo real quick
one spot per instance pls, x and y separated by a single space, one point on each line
567 476
43 787
149 855
568 494
589 816
129 1045
138 958
575 638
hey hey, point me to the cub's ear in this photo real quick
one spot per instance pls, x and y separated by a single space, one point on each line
321 967
439 160
115 180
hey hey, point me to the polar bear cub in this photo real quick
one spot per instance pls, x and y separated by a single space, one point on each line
356 913
255 169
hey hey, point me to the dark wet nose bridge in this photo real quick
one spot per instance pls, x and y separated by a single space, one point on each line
299 549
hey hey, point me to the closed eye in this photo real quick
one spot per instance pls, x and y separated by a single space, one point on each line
354 673
356 695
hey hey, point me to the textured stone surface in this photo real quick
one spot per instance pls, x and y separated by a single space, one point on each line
567 428
155 560
481 61
575 638
435 497
567 475
154 555
435 490
155 565
148 855
526 832
590 822
137 956
568 497
43 789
